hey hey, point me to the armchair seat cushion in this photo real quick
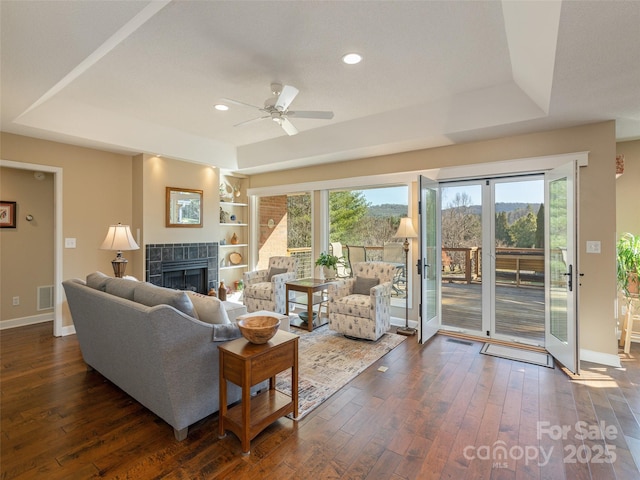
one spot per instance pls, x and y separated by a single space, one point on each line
354 305
260 290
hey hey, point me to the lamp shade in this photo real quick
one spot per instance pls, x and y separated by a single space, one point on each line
406 230
119 238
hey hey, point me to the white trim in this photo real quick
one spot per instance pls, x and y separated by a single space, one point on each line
24 321
602 358
460 172
57 235
68 330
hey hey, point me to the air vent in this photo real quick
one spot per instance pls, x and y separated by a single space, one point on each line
45 297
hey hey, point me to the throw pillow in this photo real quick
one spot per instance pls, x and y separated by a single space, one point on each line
275 271
224 333
208 309
152 295
97 280
120 287
364 285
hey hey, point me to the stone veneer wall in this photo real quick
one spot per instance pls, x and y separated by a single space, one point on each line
171 252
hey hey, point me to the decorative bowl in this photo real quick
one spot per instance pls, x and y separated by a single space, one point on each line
259 329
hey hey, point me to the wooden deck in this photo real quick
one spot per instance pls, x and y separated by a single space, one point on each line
519 310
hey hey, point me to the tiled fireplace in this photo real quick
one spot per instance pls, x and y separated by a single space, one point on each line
183 266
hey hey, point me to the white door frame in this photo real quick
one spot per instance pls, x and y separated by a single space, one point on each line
58 329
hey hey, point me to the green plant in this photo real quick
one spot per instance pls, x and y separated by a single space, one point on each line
329 261
628 262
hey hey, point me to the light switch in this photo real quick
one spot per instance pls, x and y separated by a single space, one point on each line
593 246
69 243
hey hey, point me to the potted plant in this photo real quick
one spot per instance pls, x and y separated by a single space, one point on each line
628 263
330 264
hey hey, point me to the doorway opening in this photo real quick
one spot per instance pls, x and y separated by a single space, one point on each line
493 261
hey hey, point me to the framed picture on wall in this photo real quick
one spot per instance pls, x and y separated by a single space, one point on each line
7 214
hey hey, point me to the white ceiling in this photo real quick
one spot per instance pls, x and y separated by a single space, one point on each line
139 76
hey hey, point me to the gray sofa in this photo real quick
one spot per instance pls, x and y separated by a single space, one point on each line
163 357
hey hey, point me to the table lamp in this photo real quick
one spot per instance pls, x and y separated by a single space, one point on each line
406 231
119 238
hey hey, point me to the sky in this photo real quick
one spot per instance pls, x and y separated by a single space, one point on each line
528 191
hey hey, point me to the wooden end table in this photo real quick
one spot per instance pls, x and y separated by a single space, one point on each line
309 286
247 364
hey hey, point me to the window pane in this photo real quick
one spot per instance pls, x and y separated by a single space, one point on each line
285 230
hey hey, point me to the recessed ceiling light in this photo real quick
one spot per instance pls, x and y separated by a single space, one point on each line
352 58
221 107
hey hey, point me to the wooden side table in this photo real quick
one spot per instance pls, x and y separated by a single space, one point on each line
308 286
247 364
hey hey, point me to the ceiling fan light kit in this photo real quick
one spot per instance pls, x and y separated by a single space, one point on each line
277 109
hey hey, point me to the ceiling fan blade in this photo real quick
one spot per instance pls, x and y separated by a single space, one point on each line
237 102
324 115
286 97
288 126
251 121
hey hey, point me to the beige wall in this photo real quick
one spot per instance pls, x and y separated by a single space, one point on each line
152 176
96 194
26 252
628 189
597 203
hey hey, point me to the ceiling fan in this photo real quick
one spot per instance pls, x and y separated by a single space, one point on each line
277 109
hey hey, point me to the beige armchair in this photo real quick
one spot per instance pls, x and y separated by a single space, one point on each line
360 306
266 289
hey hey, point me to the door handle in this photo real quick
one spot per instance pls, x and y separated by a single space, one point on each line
419 266
570 275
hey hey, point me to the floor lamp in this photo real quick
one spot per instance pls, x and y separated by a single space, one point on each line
406 231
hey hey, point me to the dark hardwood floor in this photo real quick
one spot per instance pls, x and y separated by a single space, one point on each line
441 410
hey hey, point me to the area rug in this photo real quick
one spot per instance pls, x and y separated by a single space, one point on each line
518 354
327 361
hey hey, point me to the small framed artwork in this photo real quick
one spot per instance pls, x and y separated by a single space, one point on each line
7 214
184 207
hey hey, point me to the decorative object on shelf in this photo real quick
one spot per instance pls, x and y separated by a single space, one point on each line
222 291
235 258
212 292
223 241
224 216
406 231
7 214
259 329
183 207
232 217
329 264
119 238
236 190
234 239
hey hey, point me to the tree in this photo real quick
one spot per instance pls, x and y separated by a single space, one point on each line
540 227
460 226
523 231
346 211
299 221
503 236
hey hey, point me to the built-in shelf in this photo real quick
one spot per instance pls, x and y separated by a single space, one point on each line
233 266
236 245
234 224
234 204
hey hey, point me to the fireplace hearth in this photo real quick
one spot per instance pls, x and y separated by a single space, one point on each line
183 266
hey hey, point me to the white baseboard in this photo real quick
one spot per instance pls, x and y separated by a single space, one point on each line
400 322
68 330
608 359
23 321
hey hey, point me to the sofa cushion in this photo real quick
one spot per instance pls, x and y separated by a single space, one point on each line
353 305
151 295
208 309
97 280
260 290
364 285
275 271
121 287
224 333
